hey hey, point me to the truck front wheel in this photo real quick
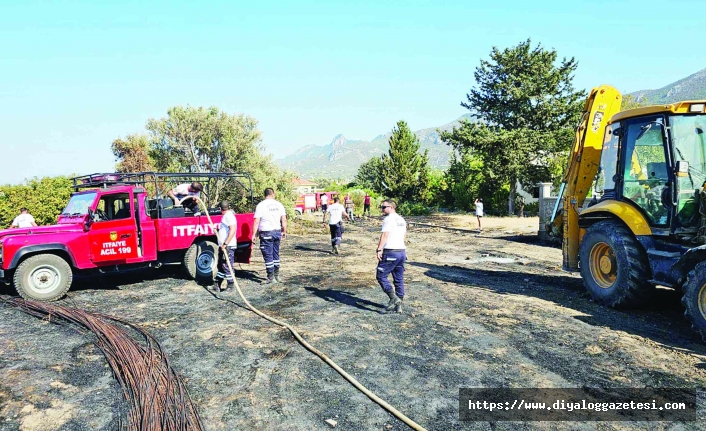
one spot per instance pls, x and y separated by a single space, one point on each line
43 277
201 260
613 266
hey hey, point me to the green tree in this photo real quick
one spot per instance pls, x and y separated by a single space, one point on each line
464 178
527 106
45 198
631 102
404 170
133 154
369 174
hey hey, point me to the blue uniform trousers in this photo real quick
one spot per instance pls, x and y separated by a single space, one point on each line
336 233
392 262
269 246
223 270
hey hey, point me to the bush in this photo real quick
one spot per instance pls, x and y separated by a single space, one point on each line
413 209
532 210
43 197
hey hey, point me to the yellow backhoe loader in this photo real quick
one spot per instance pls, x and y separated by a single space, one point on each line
645 224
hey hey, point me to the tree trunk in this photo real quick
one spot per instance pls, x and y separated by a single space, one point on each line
511 199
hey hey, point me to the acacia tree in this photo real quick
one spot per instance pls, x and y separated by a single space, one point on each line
201 139
526 106
404 171
133 154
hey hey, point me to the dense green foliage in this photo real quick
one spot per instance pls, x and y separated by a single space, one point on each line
527 107
45 198
207 140
404 170
402 174
370 174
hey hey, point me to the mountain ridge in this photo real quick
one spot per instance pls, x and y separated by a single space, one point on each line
317 160
341 157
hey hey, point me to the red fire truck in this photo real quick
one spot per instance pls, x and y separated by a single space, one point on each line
117 222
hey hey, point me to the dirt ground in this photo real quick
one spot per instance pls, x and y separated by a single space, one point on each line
490 309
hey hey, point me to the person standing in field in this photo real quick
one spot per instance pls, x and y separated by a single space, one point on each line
271 224
348 202
335 223
479 212
391 255
324 202
366 205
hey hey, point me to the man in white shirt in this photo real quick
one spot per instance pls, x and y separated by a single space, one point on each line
391 254
271 224
187 195
228 245
479 212
324 202
335 223
25 219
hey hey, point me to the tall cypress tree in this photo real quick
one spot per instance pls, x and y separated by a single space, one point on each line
405 171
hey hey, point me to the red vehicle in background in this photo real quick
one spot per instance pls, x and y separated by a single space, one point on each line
312 201
112 223
305 202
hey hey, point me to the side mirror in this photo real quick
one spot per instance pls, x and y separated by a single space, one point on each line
89 220
682 168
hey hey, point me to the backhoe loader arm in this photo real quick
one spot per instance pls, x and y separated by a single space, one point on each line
601 105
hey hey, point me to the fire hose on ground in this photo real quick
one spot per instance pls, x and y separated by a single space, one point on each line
399 415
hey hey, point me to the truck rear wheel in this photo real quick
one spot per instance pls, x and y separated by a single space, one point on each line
201 260
613 266
694 299
43 277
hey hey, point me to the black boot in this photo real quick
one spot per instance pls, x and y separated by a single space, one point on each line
229 287
276 275
394 301
270 279
217 284
398 307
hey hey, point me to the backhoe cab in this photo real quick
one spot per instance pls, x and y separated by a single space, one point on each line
646 223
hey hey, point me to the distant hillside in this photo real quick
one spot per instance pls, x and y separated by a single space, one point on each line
690 88
342 157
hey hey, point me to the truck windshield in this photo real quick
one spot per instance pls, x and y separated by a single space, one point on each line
79 204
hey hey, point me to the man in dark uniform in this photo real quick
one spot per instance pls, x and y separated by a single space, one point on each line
271 223
335 223
391 254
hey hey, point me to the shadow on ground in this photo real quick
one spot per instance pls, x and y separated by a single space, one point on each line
660 320
346 298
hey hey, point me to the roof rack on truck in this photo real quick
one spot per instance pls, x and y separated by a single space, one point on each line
160 183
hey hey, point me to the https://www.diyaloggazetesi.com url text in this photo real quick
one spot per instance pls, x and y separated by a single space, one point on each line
577 404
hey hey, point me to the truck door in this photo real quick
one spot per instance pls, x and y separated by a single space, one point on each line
113 234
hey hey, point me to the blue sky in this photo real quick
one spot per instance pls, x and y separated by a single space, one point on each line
75 75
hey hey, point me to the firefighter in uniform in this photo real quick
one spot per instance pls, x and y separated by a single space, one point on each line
336 212
271 225
228 244
391 255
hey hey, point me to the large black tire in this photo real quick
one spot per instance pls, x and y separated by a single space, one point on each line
43 277
694 299
201 260
614 266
